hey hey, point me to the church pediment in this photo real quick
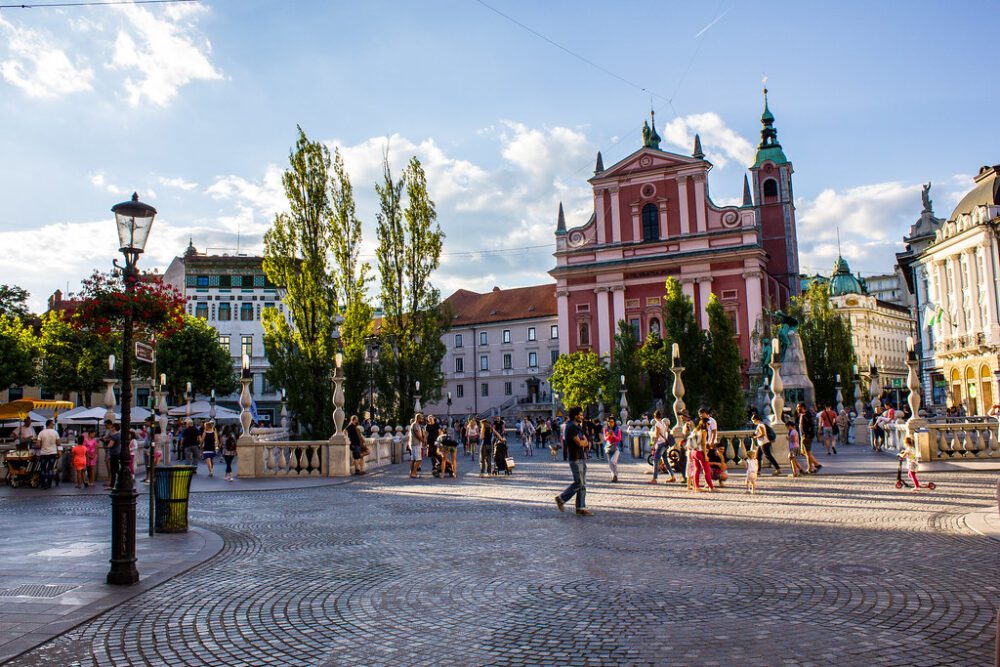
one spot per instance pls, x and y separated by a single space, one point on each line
645 159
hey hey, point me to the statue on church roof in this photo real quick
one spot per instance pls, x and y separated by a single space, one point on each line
926 197
645 134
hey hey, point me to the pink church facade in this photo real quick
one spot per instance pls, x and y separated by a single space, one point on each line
653 218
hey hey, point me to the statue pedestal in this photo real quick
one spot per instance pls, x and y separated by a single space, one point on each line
795 374
862 435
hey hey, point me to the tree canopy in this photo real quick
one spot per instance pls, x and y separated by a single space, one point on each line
194 355
826 340
580 378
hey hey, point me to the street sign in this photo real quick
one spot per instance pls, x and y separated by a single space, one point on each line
143 352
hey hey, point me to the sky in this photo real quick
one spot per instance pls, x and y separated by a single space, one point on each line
195 106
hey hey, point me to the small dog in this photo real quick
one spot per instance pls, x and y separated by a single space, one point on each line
554 450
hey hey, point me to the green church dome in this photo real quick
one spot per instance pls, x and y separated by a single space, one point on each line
843 281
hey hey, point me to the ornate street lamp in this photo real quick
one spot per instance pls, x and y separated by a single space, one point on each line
134 220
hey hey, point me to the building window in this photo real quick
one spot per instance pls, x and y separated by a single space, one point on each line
201 310
268 387
531 333
734 321
15 394
246 346
584 334
201 281
483 338
225 312
554 332
460 390
507 361
532 360
246 312
484 389
459 365
484 362
458 340
650 223
636 331
142 397
506 336
508 389
554 356
224 343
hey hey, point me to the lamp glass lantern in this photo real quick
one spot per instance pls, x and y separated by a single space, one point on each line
134 219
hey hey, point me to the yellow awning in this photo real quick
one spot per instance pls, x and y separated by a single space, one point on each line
20 408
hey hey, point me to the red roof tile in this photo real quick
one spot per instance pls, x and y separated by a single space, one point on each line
500 305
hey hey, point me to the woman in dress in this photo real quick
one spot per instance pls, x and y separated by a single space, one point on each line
208 443
357 443
485 448
471 437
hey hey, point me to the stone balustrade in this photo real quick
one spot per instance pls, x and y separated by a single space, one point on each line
268 453
957 441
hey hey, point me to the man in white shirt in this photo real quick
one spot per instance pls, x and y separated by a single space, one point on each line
25 435
713 426
48 443
417 442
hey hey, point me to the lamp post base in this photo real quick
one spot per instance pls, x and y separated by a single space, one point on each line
123 515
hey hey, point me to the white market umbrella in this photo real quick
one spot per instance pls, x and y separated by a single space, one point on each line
196 407
91 415
36 420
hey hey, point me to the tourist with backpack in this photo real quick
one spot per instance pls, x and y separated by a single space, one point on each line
765 436
807 433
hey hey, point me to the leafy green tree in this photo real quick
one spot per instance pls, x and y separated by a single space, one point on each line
826 340
626 362
681 326
579 378
296 259
724 382
17 352
413 319
14 301
73 358
654 357
350 281
194 355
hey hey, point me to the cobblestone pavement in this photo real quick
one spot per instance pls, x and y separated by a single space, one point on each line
392 571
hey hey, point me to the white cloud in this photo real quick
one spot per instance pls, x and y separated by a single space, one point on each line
40 68
165 49
178 183
99 180
266 197
719 142
872 221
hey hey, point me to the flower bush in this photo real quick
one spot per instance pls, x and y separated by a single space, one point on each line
103 304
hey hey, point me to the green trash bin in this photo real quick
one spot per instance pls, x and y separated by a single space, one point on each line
172 485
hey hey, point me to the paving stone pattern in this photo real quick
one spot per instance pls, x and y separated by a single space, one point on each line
390 571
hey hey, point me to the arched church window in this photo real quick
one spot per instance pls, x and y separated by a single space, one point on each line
770 188
650 223
584 334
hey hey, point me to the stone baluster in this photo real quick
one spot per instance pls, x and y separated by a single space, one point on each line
780 446
678 390
861 430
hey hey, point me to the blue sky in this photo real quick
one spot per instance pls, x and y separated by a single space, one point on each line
195 106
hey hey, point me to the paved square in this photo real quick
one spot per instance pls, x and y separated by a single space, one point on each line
390 571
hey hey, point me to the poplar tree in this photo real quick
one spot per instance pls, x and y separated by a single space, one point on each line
724 381
350 282
413 319
296 259
681 326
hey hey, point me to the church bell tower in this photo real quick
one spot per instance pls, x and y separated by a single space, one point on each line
772 185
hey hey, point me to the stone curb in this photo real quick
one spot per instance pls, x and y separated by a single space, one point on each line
986 522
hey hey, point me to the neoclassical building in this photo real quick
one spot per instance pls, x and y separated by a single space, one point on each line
879 328
954 275
653 218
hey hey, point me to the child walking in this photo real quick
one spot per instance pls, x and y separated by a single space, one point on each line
80 462
794 447
911 456
753 467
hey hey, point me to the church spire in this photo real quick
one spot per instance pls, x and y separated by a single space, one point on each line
561 224
698 154
599 167
747 198
769 148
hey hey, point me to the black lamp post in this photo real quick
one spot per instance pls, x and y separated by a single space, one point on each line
134 220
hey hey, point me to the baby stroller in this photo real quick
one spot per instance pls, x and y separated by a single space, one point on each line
500 457
900 482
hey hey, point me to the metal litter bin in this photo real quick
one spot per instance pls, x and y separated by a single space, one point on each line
172 485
